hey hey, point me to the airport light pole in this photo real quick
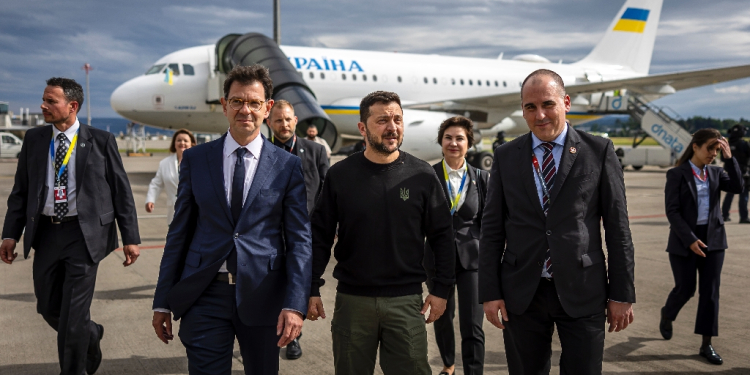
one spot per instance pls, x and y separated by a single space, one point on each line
87 67
277 21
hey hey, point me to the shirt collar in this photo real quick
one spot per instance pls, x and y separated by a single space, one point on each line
560 140
289 142
70 133
698 170
230 145
459 171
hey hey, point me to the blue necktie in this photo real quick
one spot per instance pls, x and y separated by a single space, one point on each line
238 188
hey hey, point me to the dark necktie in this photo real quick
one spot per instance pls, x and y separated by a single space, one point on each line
548 171
238 188
61 209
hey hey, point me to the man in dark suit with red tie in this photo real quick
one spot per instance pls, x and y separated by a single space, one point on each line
542 262
69 188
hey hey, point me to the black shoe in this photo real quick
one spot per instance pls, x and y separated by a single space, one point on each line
94 355
744 221
665 326
293 349
727 218
710 354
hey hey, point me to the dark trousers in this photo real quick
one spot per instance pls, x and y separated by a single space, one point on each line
470 318
727 204
685 270
582 339
64 279
208 330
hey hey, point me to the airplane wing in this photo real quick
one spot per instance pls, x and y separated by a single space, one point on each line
643 85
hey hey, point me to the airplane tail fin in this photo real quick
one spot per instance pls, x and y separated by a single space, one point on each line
629 40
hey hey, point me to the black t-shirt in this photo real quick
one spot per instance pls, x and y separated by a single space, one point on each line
384 212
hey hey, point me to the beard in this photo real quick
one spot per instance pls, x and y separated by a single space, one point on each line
378 146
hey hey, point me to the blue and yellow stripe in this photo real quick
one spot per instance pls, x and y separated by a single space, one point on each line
340 110
632 21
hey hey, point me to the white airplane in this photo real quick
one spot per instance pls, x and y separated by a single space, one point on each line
182 89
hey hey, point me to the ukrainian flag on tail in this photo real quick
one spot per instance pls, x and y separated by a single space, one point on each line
632 21
168 76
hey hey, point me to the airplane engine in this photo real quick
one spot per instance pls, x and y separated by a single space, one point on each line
255 48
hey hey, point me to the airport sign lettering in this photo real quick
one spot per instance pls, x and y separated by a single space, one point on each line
325 64
671 140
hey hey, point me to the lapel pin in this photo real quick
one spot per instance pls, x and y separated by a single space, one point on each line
83 144
573 150
301 150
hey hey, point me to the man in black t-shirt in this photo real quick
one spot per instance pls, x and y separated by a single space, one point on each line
385 203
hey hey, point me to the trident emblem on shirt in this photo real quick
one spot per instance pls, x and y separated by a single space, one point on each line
404 194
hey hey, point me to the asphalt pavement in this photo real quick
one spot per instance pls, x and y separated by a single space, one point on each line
122 303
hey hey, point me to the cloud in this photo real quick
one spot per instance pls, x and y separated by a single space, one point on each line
735 89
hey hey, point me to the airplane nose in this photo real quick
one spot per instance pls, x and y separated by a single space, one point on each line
120 99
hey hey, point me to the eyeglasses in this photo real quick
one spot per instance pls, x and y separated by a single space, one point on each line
238 104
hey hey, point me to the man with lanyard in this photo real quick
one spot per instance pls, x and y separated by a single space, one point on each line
283 124
70 187
541 259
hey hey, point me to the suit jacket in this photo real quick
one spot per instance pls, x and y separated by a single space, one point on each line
467 223
273 264
167 177
681 204
102 191
588 191
314 167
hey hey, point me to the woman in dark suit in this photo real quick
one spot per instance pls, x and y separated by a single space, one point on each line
465 188
697 239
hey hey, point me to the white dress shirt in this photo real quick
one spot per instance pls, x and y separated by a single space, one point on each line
557 150
251 159
454 177
49 203
702 193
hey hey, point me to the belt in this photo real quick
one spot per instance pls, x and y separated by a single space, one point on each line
225 277
54 220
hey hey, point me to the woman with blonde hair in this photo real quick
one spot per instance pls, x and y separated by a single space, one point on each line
167 176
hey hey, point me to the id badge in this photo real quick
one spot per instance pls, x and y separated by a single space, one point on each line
61 194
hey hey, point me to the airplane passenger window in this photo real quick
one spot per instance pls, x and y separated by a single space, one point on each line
175 69
322 75
488 83
471 83
374 78
434 80
520 84
155 69
505 84
312 75
425 80
399 78
462 82
479 82
188 69
343 76
354 77
364 77
453 81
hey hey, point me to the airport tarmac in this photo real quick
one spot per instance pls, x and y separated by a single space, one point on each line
122 303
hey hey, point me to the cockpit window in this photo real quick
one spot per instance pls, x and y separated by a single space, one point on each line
175 69
188 69
155 69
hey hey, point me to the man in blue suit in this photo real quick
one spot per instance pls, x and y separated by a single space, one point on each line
237 261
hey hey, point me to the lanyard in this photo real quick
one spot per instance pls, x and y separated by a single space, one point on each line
65 160
454 201
273 140
699 177
539 175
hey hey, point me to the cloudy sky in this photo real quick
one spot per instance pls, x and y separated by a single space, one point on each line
121 39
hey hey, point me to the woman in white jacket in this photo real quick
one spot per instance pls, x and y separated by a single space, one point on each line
167 177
